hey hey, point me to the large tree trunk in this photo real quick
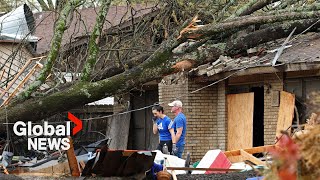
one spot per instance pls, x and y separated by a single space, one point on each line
156 66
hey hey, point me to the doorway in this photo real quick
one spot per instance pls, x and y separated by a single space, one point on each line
258 114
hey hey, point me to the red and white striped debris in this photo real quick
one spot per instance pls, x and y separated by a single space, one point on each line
213 159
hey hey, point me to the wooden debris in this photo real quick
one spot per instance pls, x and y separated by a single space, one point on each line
82 165
191 27
184 65
253 150
73 163
202 69
286 112
216 62
251 158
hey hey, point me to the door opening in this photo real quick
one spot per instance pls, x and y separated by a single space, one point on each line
258 113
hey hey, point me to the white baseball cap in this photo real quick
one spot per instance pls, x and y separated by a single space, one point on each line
176 103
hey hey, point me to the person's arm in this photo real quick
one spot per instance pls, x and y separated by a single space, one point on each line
178 134
171 130
155 125
173 136
179 128
155 128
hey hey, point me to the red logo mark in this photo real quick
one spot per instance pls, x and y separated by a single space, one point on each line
76 121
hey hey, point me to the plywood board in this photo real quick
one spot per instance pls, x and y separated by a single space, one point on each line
240 121
286 112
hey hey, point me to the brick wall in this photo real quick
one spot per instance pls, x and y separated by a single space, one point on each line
202 120
173 87
222 116
272 82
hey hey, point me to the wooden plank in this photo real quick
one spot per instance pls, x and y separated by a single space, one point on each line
251 158
60 168
15 78
286 112
240 121
73 163
253 150
3 71
19 73
82 165
25 79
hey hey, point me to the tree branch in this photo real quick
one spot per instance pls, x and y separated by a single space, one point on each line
214 29
60 27
253 6
93 50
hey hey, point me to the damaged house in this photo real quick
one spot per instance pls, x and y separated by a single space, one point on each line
17 47
233 103
242 81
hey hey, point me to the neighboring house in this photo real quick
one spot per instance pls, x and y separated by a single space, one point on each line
18 67
83 21
207 110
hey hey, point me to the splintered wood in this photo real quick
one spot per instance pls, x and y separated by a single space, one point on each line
240 121
190 27
73 163
286 112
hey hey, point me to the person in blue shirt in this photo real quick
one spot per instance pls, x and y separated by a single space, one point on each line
179 124
161 125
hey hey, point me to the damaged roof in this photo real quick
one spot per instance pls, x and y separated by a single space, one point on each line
304 49
83 22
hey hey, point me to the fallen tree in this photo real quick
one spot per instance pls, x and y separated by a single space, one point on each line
208 43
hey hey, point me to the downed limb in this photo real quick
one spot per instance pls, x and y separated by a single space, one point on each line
240 44
214 28
251 7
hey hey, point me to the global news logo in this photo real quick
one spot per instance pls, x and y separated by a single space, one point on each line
42 137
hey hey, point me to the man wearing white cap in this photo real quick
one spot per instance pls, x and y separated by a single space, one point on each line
179 124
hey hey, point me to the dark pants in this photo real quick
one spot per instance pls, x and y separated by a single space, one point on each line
169 144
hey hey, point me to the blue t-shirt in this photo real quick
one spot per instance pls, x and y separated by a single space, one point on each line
163 128
180 121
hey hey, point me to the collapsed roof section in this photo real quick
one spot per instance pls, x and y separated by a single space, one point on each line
304 51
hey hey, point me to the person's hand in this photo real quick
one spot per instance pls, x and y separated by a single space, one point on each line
174 149
154 119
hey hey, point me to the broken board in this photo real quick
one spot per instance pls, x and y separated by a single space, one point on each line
286 112
240 122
